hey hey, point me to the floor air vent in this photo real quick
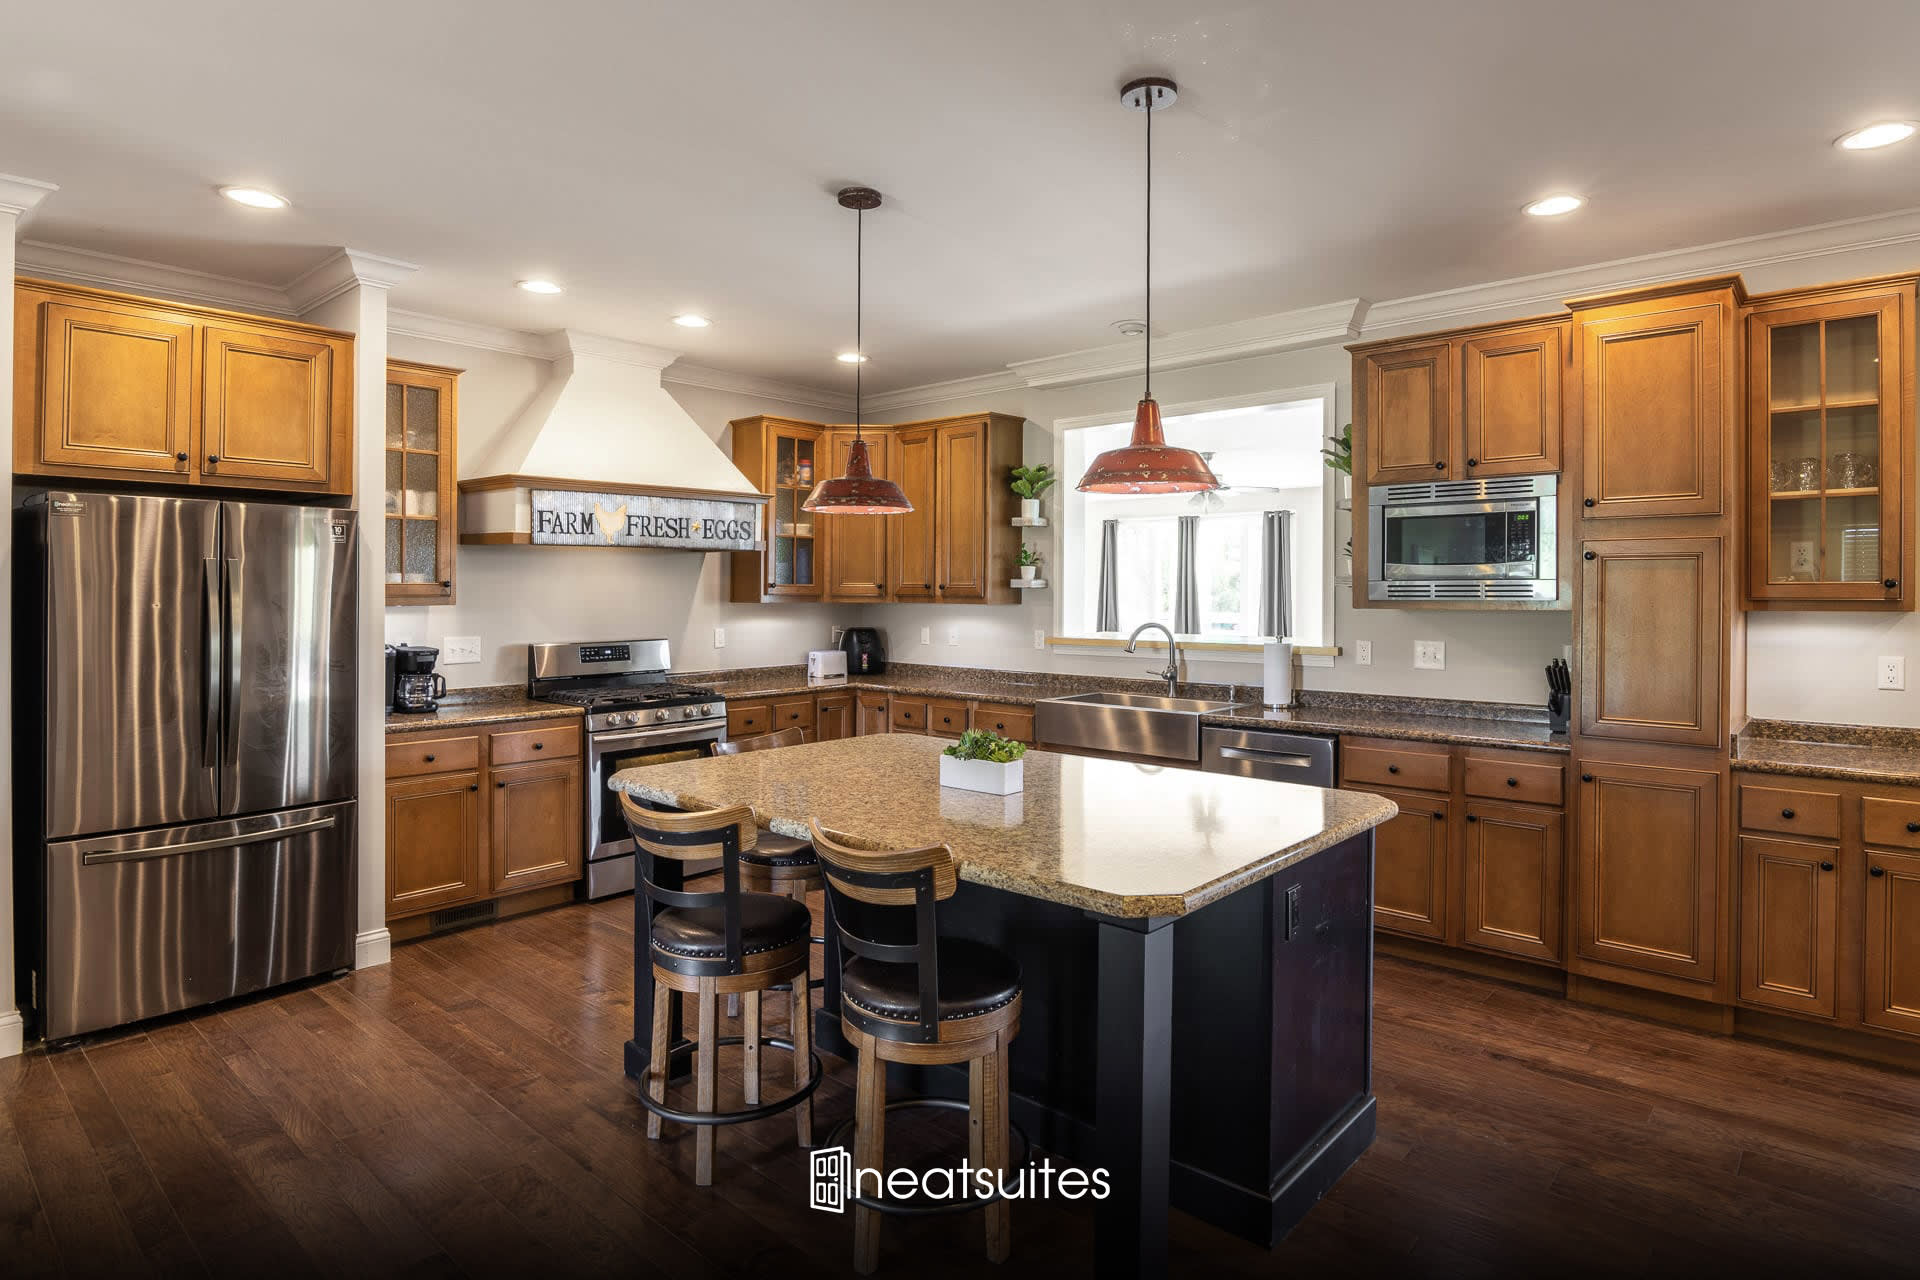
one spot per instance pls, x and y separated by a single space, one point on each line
461 917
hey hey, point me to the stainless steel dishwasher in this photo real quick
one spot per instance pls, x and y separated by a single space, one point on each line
1280 757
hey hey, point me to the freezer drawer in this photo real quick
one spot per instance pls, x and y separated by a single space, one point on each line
148 923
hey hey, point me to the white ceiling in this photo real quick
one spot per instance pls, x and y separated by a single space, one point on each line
664 156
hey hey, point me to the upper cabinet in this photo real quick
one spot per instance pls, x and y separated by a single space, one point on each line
1510 401
854 548
1405 417
421 461
109 387
781 457
1831 450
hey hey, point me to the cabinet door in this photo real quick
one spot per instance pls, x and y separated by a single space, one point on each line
912 564
421 516
749 719
1407 424
853 549
795 713
1830 415
1647 868
832 716
536 825
960 511
1510 402
1410 866
791 563
1893 941
116 390
1789 924
1511 878
872 713
1655 412
907 715
267 408
433 842
1652 640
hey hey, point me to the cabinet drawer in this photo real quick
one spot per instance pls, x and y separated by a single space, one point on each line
1801 813
1894 823
411 757
556 742
1008 722
908 716
1521 781
748 719
946 719
797 714
1376 764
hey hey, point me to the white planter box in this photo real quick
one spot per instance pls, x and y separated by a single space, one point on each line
981 775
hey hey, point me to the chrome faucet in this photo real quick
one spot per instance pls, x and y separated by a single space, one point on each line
1172 674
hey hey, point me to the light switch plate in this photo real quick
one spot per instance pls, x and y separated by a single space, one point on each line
926 635
719 637
1891 672
953 636
1363 653
1430 655
1039 638
456 650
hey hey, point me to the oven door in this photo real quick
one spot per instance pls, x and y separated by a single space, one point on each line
609 847
1474 541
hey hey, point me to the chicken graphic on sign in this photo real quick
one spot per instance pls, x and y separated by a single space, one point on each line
610 521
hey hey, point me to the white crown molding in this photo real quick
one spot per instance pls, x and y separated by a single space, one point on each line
698 375
1262 335
346 269
133 275
982 384
21 196
594 346
462 333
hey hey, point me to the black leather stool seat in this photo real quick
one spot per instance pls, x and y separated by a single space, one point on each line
772 850
974 979
768 922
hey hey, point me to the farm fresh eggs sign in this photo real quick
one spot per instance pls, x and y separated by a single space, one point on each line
570 518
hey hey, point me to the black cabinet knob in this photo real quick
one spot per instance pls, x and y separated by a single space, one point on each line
1587 502
1876 871
1892 583
999 728
1439 466
1437 816
501 785
1586 555
1913 828
1393 768
1786 813
213 459
446 584
1826 866
1473 462
181 456
539 746
1472 818
428 759
1586 777
1513 782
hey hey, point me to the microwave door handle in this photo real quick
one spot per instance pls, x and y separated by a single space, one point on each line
213 661
230 730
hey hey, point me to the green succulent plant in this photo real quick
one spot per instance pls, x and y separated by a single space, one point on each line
984 744
1031 482
1340 457
1028 555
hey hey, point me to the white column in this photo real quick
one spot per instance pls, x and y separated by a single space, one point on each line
18 196
349 292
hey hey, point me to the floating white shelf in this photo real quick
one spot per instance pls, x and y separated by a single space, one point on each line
1021 522
1027 583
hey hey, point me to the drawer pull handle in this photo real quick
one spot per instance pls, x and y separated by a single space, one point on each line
539 745
1513 782
1826 866
1786 813
428 759
1000 728
1913 828
1876 871
1393 768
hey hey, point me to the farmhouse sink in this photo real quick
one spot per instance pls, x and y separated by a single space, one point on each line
1132 724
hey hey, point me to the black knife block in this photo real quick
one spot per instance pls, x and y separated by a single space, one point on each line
1559 706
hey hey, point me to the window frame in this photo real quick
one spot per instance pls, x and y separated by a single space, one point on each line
1322 654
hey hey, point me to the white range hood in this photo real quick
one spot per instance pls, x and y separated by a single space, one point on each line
603 428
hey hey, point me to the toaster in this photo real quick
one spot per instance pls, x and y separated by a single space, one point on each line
826 664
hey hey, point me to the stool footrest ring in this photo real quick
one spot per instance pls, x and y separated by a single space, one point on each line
840 1132
744 1114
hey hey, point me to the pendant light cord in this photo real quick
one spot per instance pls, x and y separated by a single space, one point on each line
859 304
1149 343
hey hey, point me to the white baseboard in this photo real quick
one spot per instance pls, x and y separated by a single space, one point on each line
13 1034
371 948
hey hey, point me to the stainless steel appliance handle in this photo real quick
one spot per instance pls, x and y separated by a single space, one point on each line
692 733
213 659
230 729
1415 510
1293 758
201 846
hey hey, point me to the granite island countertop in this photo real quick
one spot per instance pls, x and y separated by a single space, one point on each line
1121 839
1840 752
1415 719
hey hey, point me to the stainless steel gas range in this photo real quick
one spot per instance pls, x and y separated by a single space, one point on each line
636 716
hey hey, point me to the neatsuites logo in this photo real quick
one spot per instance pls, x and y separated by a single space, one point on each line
834 1182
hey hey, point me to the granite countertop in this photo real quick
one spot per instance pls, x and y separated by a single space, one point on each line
1102 835
489 705
1443 720
1844 753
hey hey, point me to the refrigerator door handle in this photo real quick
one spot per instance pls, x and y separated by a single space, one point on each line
230 729
201 846
213 663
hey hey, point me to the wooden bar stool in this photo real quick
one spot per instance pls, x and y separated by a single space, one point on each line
927 1001
711 944
777 864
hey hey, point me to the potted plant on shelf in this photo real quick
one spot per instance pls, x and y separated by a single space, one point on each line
983 761
1029 563
1028 484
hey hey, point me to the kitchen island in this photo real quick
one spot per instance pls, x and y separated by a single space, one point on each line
1196 952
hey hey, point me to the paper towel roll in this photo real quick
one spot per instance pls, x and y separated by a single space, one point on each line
1279 675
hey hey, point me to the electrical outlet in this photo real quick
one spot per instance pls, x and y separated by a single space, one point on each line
1039 638
926 635
1363 653
1892 672
719 637
953 636
455 650
1429 655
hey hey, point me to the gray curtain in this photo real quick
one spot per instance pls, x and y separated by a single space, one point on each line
1276 578
1109 618
1186 580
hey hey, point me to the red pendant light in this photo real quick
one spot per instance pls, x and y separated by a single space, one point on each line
859 492
1147 463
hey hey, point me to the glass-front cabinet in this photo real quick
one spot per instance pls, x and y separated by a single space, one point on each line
1830 412
421 517
784 458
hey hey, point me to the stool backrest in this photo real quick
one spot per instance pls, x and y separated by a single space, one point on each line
764 742
697 836
882 904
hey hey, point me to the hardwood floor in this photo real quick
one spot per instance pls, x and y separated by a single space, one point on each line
462 1112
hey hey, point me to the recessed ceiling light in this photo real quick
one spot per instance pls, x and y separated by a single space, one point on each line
538 286
1884 134
255 198
691 321
851 357
1554 206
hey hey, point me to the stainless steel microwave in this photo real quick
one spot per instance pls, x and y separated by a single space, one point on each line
1464 540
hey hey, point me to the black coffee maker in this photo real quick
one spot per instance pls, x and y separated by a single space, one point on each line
866 655
416 685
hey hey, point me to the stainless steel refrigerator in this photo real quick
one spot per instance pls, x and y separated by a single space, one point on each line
184 751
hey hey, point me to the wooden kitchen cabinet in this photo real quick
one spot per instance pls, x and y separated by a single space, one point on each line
1410 865
794 713
833 716
749 719
906 715
1893 941
434 842
1789 924
1405 418
1513 860
112 387
1830 421
853 549
535 825
1510 401
913 559
1653 640
1007 720
947 718
422 524
961 510
782 457
871 713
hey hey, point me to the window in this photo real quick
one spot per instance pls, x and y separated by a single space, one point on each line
1267 457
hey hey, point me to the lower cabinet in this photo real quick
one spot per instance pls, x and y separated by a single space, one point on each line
535 826
1789 924
870 713
1512 899
947 718
1006 720
832 716
1410 866
794 713
1893 941
433 842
